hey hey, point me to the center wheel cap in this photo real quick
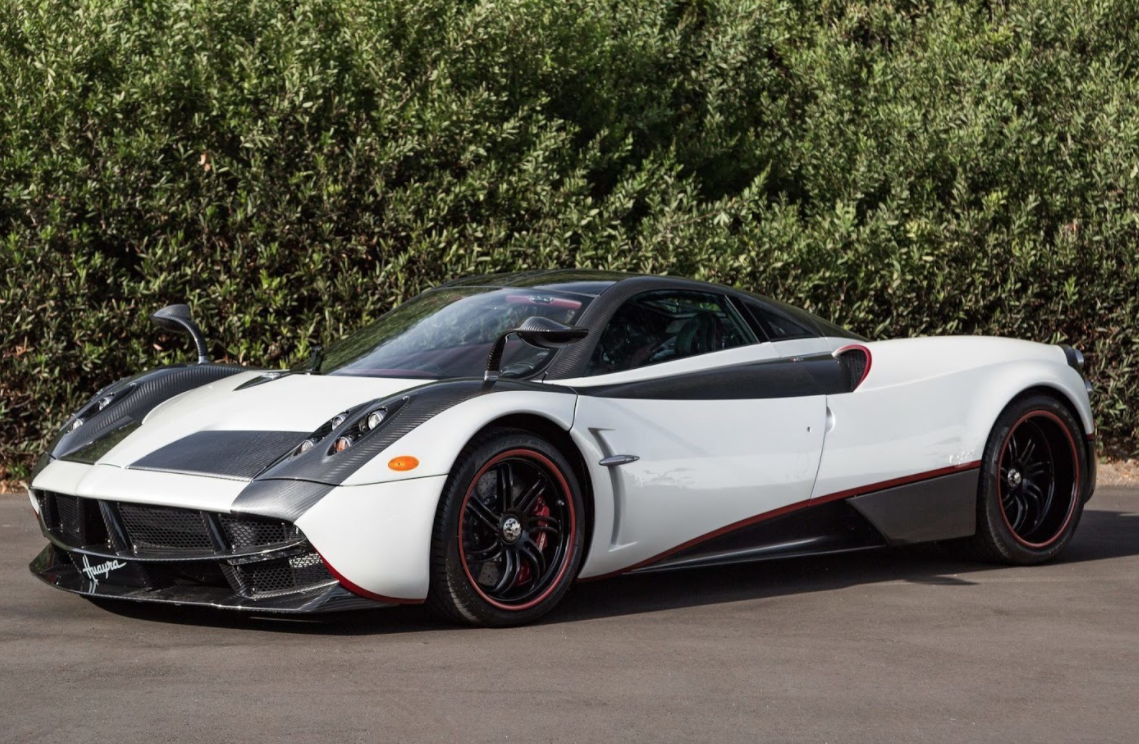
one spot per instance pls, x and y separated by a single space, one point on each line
1014 478
511 529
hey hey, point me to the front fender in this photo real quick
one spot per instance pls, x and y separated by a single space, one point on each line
374 530
376 539
437 442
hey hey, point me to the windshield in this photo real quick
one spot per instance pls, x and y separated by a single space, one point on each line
448 333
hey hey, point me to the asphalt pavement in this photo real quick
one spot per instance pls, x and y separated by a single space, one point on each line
901 645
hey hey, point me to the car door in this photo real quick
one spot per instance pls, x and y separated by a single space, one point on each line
692 426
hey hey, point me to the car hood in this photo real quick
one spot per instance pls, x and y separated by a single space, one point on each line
248 410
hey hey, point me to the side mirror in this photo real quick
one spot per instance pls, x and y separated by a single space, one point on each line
536 331
176 319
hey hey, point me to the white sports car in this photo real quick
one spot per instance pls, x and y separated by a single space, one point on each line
486 444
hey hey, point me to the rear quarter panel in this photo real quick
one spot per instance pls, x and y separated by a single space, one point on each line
929 404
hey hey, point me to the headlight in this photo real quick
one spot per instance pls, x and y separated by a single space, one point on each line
349 427
99 403
375 418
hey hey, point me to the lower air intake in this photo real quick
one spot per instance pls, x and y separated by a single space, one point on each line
282 575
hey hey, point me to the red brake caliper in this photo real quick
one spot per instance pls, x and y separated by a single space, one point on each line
541 509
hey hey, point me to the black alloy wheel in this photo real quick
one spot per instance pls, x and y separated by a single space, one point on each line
508 536
1032 490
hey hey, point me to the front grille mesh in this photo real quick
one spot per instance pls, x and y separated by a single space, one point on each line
77 521
163 528
247 533
200 553
70 521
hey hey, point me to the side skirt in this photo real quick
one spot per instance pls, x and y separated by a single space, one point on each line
939 505
829 528
936 509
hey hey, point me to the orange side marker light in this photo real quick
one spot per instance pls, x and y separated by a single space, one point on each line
403 463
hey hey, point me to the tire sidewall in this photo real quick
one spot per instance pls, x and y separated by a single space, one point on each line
450 582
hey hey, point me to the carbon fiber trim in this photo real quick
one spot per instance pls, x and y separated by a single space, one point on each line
139 395
936 509
781 378
279 499
56 568
225 454
90 453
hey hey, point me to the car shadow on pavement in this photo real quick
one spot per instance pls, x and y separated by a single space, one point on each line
1102 535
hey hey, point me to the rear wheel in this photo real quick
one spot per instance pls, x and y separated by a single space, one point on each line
1031 484
508 538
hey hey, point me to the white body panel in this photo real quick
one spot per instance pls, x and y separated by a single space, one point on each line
140 486
378 536
703 465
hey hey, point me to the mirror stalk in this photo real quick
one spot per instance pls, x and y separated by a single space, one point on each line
177 319
536 331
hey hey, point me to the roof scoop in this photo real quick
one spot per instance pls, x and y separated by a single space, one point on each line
536 330
177 319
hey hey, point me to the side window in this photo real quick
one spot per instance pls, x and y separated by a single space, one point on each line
778 326
661 326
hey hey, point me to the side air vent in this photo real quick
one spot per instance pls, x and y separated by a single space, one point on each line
855 363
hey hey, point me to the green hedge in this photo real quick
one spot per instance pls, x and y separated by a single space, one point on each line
293 168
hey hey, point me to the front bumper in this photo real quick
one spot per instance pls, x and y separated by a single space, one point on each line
154 553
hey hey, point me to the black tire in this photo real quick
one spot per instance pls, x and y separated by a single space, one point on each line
1030 495
517 571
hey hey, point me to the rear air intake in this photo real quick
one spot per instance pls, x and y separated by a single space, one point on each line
855 363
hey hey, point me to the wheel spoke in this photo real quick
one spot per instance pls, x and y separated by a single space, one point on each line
482 555
1018 502
483 513
553 532
1013 451
509 573
530 496
505 474
545 520
1035 469
1029 450
531 552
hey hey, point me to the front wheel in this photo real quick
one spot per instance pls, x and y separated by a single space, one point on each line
508 535
1030 496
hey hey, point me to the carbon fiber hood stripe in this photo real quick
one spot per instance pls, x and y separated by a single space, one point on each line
226 454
